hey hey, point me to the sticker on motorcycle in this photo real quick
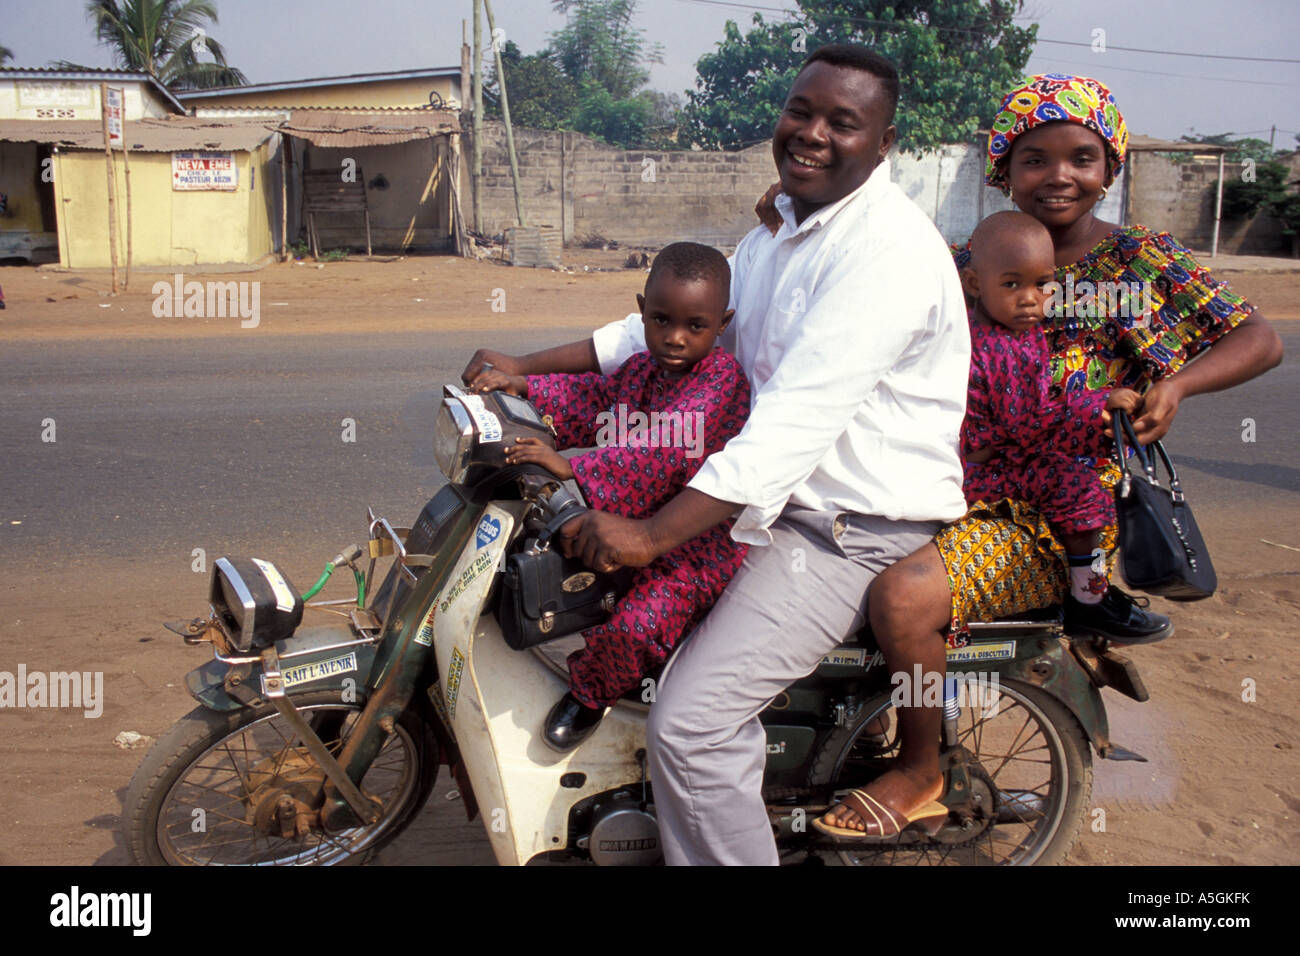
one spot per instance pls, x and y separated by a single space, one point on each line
316 670
284 596
489 426
454 670
479 565
425 634
982 652
489 529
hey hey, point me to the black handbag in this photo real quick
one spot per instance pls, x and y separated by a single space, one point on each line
545 595
1161 549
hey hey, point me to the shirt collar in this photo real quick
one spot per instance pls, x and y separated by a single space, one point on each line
876 183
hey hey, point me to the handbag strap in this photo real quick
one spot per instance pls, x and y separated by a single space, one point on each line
1146 455
568 511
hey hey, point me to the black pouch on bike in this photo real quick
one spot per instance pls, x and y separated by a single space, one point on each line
1161 548
546 595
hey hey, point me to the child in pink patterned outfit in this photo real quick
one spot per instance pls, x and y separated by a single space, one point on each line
656 420
1019 439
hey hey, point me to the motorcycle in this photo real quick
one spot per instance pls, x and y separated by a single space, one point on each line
321 725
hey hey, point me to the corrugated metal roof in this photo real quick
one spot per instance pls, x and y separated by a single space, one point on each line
1138 143
149 135
323 81
345 129
59 73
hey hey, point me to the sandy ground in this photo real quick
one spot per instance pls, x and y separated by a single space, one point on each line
1222 784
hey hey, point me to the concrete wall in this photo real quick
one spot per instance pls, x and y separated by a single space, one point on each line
1179 198
647 198
169 228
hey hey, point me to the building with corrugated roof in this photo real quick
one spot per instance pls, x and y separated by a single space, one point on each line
201 191
369 155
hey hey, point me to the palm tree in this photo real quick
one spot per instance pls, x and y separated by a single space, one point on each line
164 38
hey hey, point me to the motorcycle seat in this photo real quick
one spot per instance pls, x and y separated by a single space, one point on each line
1037 619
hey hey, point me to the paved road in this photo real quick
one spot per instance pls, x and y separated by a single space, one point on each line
235 445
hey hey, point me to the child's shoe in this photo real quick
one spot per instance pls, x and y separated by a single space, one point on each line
569 723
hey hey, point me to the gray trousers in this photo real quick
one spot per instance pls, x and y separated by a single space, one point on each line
790 603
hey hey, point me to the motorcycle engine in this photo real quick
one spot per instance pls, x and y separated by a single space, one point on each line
622 834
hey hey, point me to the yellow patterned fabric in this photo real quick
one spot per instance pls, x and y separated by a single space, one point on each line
1002 559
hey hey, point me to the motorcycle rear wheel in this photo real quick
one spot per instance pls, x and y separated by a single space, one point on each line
1035 762
195 798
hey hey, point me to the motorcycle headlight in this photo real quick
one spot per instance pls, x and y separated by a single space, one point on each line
453 440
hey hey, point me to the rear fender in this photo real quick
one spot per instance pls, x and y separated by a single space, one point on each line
1039 656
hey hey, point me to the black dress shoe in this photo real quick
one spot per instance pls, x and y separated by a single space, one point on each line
569 723
1117 617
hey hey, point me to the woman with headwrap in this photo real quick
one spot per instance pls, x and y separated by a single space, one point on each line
1057 143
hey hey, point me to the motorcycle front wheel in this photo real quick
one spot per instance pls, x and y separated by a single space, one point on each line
207 792
1031 777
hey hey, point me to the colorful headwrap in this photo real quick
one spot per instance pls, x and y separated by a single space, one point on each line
1048 98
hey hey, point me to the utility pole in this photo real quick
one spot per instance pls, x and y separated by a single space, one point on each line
476 143
505 114
1271 134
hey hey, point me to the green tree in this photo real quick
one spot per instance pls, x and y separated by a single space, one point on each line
590 78
601 44
956 60
164 38
1242 149
541 94
6 54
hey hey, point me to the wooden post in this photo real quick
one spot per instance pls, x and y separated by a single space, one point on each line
126 172
112 184
476 138
1218 210
284 199
505 115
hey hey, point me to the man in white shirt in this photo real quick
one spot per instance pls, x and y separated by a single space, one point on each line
851 326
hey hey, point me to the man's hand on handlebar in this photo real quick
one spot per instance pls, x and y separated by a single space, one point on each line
487 360
606 542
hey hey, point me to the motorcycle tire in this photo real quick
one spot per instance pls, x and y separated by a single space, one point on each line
173 795
849 756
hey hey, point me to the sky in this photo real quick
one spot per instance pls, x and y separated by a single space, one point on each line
1207 84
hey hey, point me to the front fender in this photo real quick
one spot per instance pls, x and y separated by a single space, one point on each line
310 665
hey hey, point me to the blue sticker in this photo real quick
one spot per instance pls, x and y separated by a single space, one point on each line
488 530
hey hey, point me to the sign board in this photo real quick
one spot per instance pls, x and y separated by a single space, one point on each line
203 169
113 114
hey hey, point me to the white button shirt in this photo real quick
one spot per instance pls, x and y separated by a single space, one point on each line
852 329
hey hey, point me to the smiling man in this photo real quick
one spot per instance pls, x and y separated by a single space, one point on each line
850 324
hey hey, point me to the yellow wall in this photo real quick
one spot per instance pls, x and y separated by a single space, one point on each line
19 174
408 93
169 228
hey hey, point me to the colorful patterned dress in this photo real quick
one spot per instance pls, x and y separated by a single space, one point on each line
654 434
1002 558
1044 440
